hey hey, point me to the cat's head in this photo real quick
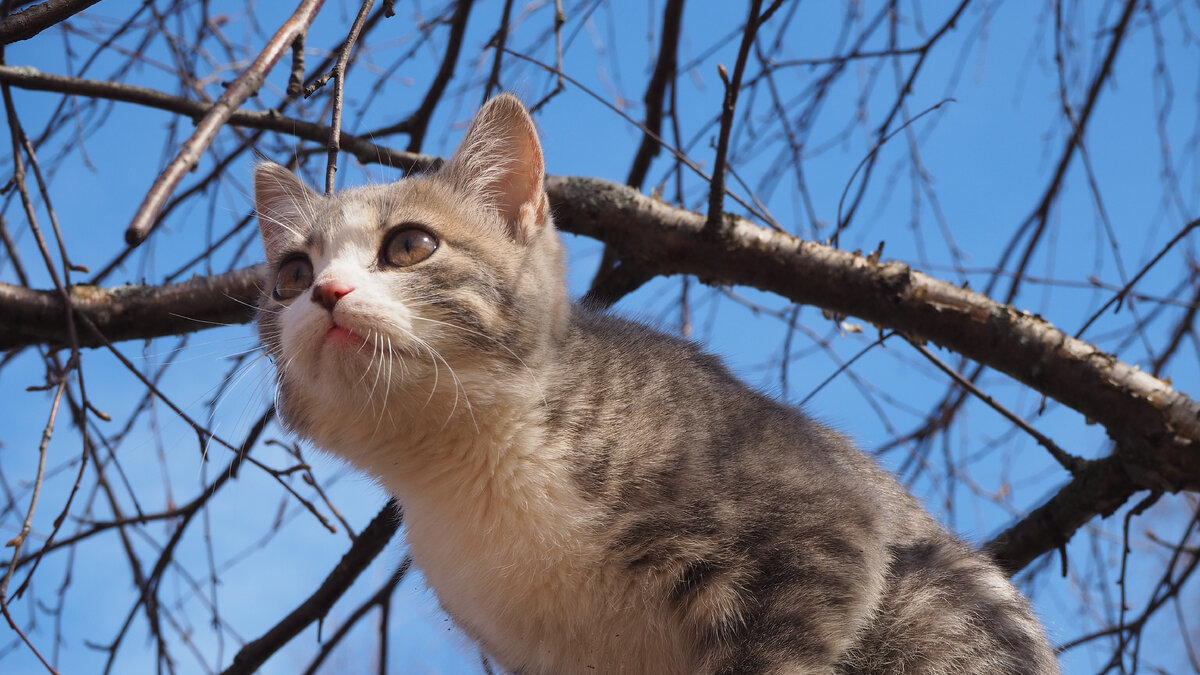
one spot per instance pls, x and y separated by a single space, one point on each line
407 298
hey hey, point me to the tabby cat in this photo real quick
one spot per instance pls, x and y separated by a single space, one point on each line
584 494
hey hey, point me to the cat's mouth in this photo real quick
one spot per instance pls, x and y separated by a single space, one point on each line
340 335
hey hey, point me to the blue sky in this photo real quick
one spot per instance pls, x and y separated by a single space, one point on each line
986 156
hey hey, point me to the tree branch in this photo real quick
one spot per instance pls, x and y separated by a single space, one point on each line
365 548
339 86
242 88
365 151
656 88
1099 489
1041 214
1154 424
716 190
129 312
416 124
29 22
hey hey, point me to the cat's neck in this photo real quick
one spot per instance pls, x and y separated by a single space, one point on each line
476 435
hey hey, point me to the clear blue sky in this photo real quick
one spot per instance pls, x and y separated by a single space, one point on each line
987 157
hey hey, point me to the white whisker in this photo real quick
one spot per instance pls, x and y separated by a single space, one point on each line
528 370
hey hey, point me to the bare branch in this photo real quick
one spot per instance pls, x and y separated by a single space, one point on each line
1098 490
418 123
364 549
339 77
497 42
130 312
1041 214
1068 461
656 88
242 88
363 150
716 191
29 22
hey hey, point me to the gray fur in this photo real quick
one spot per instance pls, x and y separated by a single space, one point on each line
732 531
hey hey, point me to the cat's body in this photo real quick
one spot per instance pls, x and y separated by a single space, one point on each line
585 494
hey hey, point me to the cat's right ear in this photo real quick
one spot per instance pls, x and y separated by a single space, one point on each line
283 202
499 163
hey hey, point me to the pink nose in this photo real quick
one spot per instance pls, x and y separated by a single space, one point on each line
328 293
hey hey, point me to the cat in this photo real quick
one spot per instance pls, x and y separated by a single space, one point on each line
583 493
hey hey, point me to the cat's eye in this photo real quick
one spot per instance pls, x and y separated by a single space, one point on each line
408 246
295 275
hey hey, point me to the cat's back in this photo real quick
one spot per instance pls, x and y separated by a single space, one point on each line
772 537
638 397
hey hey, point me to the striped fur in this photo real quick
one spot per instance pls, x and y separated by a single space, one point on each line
584 494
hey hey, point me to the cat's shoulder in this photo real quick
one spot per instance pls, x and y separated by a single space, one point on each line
603 331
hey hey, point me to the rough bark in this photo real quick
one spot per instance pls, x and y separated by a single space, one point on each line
130 312
29 22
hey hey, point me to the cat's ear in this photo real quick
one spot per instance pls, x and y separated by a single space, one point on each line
283 202
500 163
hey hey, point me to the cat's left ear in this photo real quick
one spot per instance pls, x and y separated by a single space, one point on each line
500 162
283 202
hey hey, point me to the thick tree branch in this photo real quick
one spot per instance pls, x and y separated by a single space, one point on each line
1099 489
29 22
1152 421
129 312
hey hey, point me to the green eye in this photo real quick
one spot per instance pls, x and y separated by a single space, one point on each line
295 275
408 246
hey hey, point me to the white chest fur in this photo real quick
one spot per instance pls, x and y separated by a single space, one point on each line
512 550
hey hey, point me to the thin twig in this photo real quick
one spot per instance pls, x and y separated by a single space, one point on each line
417 124
497 43
679 155
560 18
379 599
716 191
1121 294
18 541
1040 217
1065 459
339 82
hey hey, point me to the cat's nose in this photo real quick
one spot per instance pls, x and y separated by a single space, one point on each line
328 293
